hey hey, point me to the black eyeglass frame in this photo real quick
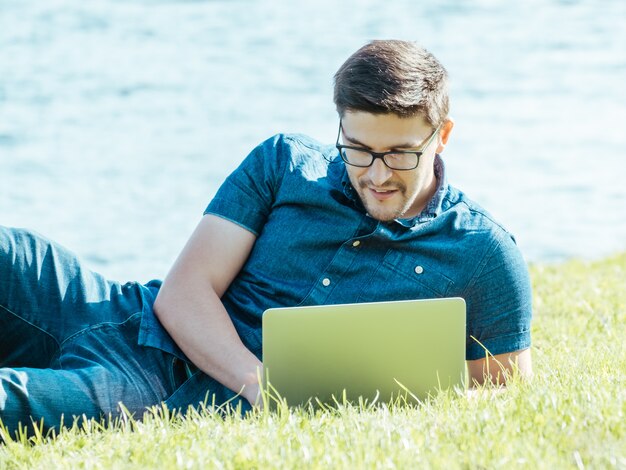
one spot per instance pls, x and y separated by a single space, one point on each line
382 155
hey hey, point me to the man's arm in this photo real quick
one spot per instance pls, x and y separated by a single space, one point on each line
498 367
189 306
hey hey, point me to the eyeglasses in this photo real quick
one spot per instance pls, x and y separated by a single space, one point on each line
394 159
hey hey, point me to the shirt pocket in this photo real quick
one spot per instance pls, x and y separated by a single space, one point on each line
402 276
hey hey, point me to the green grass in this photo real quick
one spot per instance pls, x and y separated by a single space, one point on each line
571 415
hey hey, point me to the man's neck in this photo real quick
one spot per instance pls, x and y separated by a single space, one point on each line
422 201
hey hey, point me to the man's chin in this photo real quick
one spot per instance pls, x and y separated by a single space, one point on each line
383 218
383 214
385 211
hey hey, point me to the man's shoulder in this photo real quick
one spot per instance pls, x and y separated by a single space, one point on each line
297 155
470 216
296 144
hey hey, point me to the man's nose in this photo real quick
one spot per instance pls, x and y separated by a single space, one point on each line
378 172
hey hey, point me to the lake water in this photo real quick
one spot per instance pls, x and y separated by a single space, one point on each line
119 119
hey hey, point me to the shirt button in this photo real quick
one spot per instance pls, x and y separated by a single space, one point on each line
419 270
326 282
356 243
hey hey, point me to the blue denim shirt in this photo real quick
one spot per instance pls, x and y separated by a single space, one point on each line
317 245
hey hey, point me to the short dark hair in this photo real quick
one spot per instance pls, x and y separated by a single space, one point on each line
393 76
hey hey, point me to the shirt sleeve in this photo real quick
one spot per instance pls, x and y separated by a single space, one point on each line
499 303
247 195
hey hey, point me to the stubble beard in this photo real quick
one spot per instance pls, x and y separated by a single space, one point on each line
377 210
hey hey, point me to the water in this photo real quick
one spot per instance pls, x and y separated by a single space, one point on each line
119 119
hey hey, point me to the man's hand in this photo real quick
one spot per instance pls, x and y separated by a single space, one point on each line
253 393
496 369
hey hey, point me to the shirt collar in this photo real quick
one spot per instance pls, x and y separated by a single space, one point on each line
432 209
348 189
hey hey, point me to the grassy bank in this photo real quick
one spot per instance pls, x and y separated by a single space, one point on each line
572 415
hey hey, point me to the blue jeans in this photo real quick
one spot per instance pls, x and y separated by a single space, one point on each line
69 342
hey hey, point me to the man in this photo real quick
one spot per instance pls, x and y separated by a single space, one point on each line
371 218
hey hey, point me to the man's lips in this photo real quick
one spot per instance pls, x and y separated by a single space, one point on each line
382 194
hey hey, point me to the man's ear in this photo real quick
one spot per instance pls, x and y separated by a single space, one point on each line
444 134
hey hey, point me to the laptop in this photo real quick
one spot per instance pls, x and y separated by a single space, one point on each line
373 351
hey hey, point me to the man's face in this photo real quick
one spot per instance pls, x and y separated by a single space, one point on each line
393 194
